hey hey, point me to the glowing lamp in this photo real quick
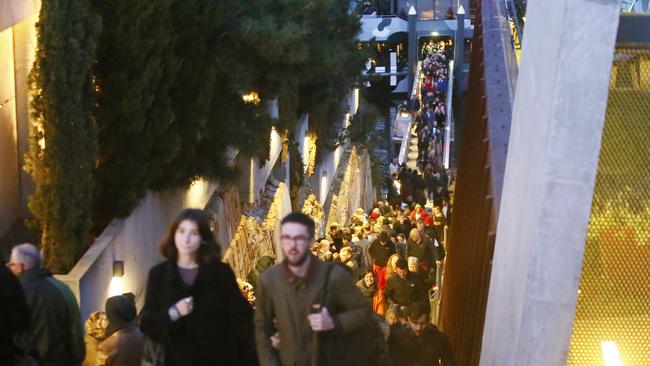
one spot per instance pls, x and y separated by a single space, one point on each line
610 354
118 268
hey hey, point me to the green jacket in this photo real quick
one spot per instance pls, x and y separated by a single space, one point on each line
289 299
55 333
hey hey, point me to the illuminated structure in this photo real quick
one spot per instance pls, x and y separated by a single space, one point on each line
17 51
551 222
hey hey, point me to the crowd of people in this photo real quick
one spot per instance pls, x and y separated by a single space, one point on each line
314 209
360 295
362 292
394 253
194 312
429 180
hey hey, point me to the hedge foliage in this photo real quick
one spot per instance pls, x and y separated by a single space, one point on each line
63 143
154 100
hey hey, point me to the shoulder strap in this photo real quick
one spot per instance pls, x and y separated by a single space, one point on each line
323 292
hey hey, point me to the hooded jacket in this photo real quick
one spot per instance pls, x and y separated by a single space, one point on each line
124 345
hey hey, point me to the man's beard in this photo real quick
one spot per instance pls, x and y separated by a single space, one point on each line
300 260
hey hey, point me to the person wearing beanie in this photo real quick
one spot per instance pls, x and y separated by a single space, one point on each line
380 251
124 343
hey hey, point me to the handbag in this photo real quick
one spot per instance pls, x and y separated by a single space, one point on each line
154 353
363 346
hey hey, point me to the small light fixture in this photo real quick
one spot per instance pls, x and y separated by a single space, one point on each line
610 353
118 268
252 98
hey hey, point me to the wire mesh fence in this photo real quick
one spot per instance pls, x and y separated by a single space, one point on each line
614 295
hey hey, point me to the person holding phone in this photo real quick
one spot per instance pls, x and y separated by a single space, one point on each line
193 306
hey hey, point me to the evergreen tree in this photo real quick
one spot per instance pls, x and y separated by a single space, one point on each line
362 124
136 71
196 24
336 59
270 41
306 54
211 114
63 145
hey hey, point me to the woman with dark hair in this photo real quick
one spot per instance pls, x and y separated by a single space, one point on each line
367 285
193 307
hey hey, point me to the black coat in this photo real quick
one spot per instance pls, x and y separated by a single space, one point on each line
219 331
424 251
403 228
404 292
381 253
14 314
431 348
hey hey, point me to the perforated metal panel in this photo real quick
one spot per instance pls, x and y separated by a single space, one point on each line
614 297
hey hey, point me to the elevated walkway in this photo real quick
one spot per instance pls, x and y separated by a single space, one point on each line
387 28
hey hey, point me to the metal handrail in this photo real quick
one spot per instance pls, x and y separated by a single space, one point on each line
630 7
450 115
406 139
515 16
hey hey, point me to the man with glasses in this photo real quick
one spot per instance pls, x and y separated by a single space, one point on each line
291 312
55 334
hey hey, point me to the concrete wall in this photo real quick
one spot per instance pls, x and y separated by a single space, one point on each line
253 240
321 179
324 173
24 54
253 174
9 176
225 209
302 139
352 188
557 123
133 240
263 172
13 12
353 101
17 50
